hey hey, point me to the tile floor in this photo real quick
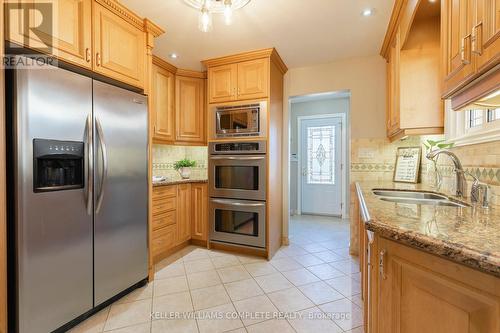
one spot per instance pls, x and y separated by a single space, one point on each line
312 285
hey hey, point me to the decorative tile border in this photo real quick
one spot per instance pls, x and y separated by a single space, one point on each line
485 174
372 167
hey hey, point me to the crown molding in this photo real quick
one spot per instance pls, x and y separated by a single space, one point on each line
392 27
270 53
152 28
178 71
164 64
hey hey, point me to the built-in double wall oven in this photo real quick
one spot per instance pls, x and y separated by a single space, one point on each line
237 189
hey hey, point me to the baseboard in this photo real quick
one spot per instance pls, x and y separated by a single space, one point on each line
239 249
199 242
285 241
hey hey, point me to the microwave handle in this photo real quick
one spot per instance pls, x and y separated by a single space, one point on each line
233 203
241 158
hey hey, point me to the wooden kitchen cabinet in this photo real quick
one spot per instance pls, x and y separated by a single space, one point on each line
183 213
413 53
253 79
190 109
69 36
419 292
222 85
470 42
485 32
163 104
199 211
119 47
239 81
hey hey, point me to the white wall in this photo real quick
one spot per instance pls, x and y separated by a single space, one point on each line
364 77
310 108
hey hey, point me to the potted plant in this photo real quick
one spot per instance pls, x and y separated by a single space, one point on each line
184 167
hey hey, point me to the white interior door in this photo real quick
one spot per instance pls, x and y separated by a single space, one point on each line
320 166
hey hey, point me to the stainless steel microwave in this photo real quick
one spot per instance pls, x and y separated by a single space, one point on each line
240 120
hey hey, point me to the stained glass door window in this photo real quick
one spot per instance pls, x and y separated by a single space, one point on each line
321 155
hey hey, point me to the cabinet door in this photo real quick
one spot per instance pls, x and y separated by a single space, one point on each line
415 298
163 240
199 210
183 213
457 43
163 102
222 83
393 105
253 79
68 36
485 41
190 109
119 47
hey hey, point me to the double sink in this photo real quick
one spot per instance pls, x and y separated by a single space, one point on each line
415 197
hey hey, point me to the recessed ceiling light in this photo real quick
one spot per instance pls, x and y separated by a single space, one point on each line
432 1
368 12
173 55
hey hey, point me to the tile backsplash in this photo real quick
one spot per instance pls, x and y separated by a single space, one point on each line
374 160
164 157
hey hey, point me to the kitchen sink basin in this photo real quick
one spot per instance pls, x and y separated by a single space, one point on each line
419 198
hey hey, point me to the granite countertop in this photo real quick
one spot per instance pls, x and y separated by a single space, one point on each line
466 235
179 181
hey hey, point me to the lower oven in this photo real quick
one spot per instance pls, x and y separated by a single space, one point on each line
240 222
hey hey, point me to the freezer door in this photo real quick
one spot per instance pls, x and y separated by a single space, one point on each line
53 228
121 190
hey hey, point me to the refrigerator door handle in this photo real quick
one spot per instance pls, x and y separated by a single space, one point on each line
90 163
104 153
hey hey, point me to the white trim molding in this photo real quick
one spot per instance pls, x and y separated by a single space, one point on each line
456 130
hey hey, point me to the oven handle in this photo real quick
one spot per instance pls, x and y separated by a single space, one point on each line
234 203
241 158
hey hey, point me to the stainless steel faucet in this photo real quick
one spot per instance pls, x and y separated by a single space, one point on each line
459 171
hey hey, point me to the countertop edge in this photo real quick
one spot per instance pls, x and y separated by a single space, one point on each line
176 182
450 251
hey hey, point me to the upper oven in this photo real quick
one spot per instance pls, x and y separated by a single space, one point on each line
237 170
240 120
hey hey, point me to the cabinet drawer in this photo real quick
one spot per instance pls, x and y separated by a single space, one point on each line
160 192
163 220
164 205
163 240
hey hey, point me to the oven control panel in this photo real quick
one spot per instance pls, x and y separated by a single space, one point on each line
249 147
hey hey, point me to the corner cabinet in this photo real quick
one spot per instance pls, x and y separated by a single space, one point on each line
69 36
471 46
119 47
163 104
420 292
183 213
190 109
239 81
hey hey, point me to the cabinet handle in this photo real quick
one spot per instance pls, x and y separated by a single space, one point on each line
98 59
239 91
477 39
465 50
87 54
381 258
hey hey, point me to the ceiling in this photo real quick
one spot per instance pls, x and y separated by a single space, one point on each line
305 32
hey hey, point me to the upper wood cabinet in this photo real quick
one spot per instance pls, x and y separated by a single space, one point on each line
253 79
68 37
239 81
183 213
470 41
199 211
419 292
119 47
190 109
223 83
163 104
412 50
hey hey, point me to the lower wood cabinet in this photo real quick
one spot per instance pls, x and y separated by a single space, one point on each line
183 212
199 211
180 213
413 291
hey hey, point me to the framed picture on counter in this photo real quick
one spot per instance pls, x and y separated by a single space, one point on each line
407 164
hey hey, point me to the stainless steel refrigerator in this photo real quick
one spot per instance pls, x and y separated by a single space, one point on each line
79 190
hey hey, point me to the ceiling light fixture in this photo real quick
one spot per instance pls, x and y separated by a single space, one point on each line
368 12
209 7
173 55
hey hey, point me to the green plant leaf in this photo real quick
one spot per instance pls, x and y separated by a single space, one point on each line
184 163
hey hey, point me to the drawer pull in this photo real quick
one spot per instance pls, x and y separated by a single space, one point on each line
381 264
87 54
465 50
98 59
